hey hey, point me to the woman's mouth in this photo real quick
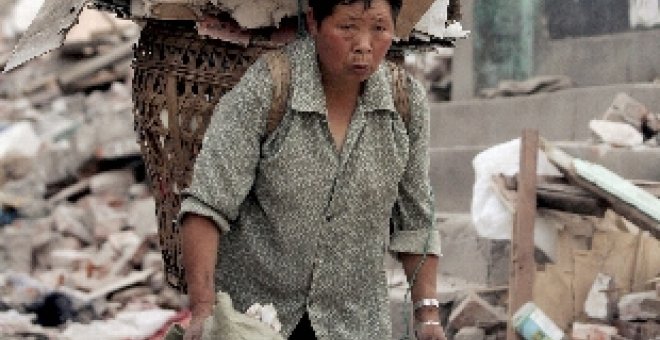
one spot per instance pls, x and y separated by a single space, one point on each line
360 68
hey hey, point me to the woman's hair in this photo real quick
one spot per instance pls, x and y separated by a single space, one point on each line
322 9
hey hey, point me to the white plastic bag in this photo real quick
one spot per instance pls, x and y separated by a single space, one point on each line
489 215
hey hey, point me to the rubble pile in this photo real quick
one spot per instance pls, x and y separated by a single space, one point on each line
79 254
604 283
596 234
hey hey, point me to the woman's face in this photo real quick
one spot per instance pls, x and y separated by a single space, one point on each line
353 41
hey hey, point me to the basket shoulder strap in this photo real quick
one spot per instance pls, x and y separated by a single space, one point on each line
400 91
280 73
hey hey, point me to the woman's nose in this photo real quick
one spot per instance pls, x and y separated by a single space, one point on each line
362 43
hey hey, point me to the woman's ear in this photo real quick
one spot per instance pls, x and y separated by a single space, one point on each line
312 25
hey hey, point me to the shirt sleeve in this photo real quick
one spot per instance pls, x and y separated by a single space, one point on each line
226 165
413 216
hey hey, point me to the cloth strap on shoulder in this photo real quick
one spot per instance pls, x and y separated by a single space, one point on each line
280 72
400 91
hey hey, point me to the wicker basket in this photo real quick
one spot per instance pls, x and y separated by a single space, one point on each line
179 78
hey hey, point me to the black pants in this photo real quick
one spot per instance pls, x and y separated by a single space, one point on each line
303 330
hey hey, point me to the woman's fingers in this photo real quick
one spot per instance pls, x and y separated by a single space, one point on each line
431 332
195 330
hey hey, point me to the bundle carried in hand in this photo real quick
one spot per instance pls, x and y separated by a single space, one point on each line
228 323
260 322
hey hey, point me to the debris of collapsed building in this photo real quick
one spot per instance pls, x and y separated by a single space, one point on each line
79 254
596 234
78 180
94 264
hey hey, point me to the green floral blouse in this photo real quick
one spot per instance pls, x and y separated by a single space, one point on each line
305 226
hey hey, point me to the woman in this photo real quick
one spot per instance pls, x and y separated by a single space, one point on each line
300 217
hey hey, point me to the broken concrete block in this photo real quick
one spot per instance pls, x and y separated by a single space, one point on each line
106 217
19 139
13 167
470 333
42 232
638 330
157 281
69 259
23 290
16 326
639 306
17 244
153 260
138 191
616 133
142 217
69 221
124 241
128 254
51 278
584 331
598 304
474 311
112 182
42 254
106 256
626 109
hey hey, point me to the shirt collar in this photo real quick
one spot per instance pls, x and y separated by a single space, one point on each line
307 92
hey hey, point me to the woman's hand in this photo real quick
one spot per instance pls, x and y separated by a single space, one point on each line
427 324
430 332
200 313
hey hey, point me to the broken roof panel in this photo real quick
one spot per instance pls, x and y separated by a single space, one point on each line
47 31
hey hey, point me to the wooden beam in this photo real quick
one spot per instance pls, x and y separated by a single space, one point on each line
566 164
522 267
552 193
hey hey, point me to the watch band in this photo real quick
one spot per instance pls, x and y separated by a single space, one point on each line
426 303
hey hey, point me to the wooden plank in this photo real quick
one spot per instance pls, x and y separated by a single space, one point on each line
565 163
522 267
569 198
618 187
551 193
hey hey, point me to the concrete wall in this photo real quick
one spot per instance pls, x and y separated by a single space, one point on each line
611 59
